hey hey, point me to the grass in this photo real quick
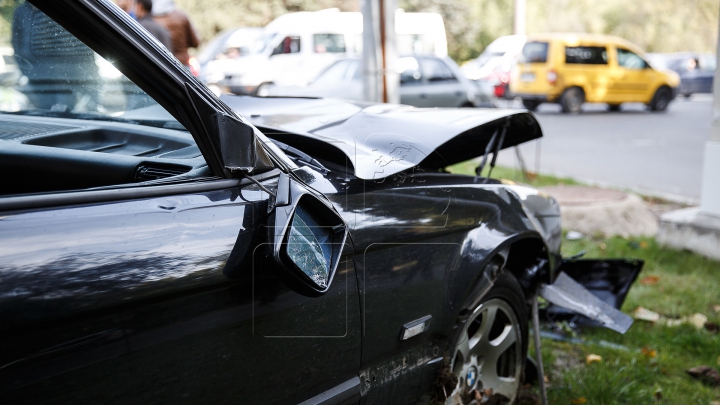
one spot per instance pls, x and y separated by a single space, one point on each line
686 284
500 172
652 368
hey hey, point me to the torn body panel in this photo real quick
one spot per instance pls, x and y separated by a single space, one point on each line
595 289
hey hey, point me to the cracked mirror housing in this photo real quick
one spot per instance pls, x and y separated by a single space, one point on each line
308 240
309 247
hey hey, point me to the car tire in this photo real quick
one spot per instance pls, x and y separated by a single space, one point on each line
572 100
661 99
263 90
490 348
531 105
614 107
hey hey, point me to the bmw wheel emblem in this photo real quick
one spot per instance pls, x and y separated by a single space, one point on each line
471 377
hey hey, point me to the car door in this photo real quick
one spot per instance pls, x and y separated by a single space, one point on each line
696 76
590 64
161 299
707 72
443 89
634 76
152 287
412 89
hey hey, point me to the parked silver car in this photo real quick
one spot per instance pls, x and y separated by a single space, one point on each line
425 81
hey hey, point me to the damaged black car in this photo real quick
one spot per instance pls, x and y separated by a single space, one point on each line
161 245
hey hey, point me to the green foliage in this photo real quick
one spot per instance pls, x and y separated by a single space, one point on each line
213 16
656 26
7 8
514 175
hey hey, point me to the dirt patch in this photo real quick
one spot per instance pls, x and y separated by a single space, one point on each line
565 360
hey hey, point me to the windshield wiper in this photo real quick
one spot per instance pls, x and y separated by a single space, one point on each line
299 156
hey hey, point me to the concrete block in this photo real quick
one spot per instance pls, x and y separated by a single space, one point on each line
691 229
591 210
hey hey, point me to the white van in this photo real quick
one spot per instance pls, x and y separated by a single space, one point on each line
296 47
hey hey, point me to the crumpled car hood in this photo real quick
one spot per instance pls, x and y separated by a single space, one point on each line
380 140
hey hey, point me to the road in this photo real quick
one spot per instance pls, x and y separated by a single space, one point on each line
658 154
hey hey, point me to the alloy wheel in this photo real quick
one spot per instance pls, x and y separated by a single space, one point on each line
488 356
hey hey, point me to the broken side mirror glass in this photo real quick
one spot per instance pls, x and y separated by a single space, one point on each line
307 238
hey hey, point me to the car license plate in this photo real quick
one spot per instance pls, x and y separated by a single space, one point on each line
527 77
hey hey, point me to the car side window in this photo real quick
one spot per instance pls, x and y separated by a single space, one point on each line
409 70
437 71
329 43
535 52
288 45
630 60
586 55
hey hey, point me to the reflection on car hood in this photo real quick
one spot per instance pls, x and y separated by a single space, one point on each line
383 139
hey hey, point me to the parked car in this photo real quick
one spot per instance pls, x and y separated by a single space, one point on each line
425 81
571 69
178 252
493 66
296 47
696 70
502 50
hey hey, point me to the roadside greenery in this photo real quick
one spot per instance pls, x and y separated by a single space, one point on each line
656 26
648 364
651 368
515 175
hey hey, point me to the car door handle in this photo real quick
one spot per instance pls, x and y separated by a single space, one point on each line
422 95
458 93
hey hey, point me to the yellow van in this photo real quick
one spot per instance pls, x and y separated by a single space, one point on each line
571 69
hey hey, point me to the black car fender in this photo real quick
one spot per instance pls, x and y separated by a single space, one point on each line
522 236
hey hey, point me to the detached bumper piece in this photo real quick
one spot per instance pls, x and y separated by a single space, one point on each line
594 289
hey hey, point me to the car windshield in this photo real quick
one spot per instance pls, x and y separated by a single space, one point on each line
49 72
341 71
262 43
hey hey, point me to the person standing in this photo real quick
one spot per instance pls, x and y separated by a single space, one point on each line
127 6
182 33
143 9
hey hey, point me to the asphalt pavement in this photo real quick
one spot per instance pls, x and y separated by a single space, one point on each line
658 154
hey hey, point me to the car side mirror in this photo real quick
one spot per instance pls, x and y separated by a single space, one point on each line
307 238
234 142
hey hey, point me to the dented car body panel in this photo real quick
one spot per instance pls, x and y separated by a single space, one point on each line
382 140
166 290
